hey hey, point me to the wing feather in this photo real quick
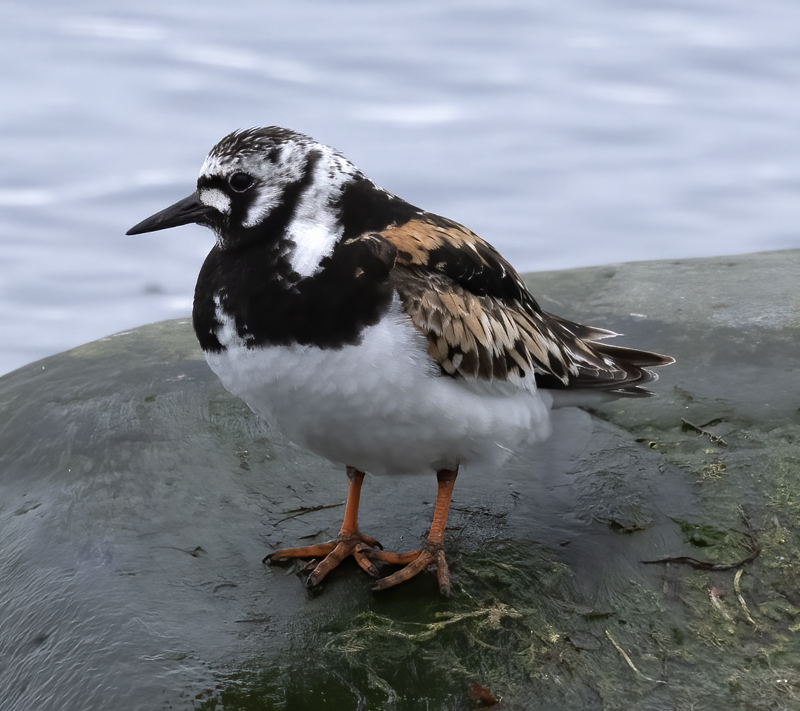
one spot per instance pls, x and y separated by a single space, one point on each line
482 323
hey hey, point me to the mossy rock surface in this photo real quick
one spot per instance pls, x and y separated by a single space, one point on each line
137 499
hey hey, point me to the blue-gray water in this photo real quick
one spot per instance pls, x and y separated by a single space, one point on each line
567 134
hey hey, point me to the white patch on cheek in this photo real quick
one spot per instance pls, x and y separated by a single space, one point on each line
213 197
265 202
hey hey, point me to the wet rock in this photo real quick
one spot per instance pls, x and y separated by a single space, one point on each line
137 499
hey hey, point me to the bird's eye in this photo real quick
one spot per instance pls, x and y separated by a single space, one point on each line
240 181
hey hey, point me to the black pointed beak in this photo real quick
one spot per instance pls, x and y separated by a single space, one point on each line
190 209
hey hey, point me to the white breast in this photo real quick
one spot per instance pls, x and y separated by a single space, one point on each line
381 405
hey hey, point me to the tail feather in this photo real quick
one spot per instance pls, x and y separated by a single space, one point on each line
613 369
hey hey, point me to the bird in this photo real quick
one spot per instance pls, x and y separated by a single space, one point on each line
378 335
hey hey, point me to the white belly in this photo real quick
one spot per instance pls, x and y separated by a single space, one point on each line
381 406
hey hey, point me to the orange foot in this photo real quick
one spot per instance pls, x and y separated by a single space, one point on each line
367 551
431 555
352 543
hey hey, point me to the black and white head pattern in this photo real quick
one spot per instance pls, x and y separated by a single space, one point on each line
272 181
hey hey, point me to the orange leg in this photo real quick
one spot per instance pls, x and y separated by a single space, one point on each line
432 552
350 540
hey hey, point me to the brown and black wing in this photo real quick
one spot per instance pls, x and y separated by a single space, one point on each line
482 323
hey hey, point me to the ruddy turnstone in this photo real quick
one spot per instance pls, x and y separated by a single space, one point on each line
374 333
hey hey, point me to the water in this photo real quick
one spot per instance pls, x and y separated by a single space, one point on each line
565 134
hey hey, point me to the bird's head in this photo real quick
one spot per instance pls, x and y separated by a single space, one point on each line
262 184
